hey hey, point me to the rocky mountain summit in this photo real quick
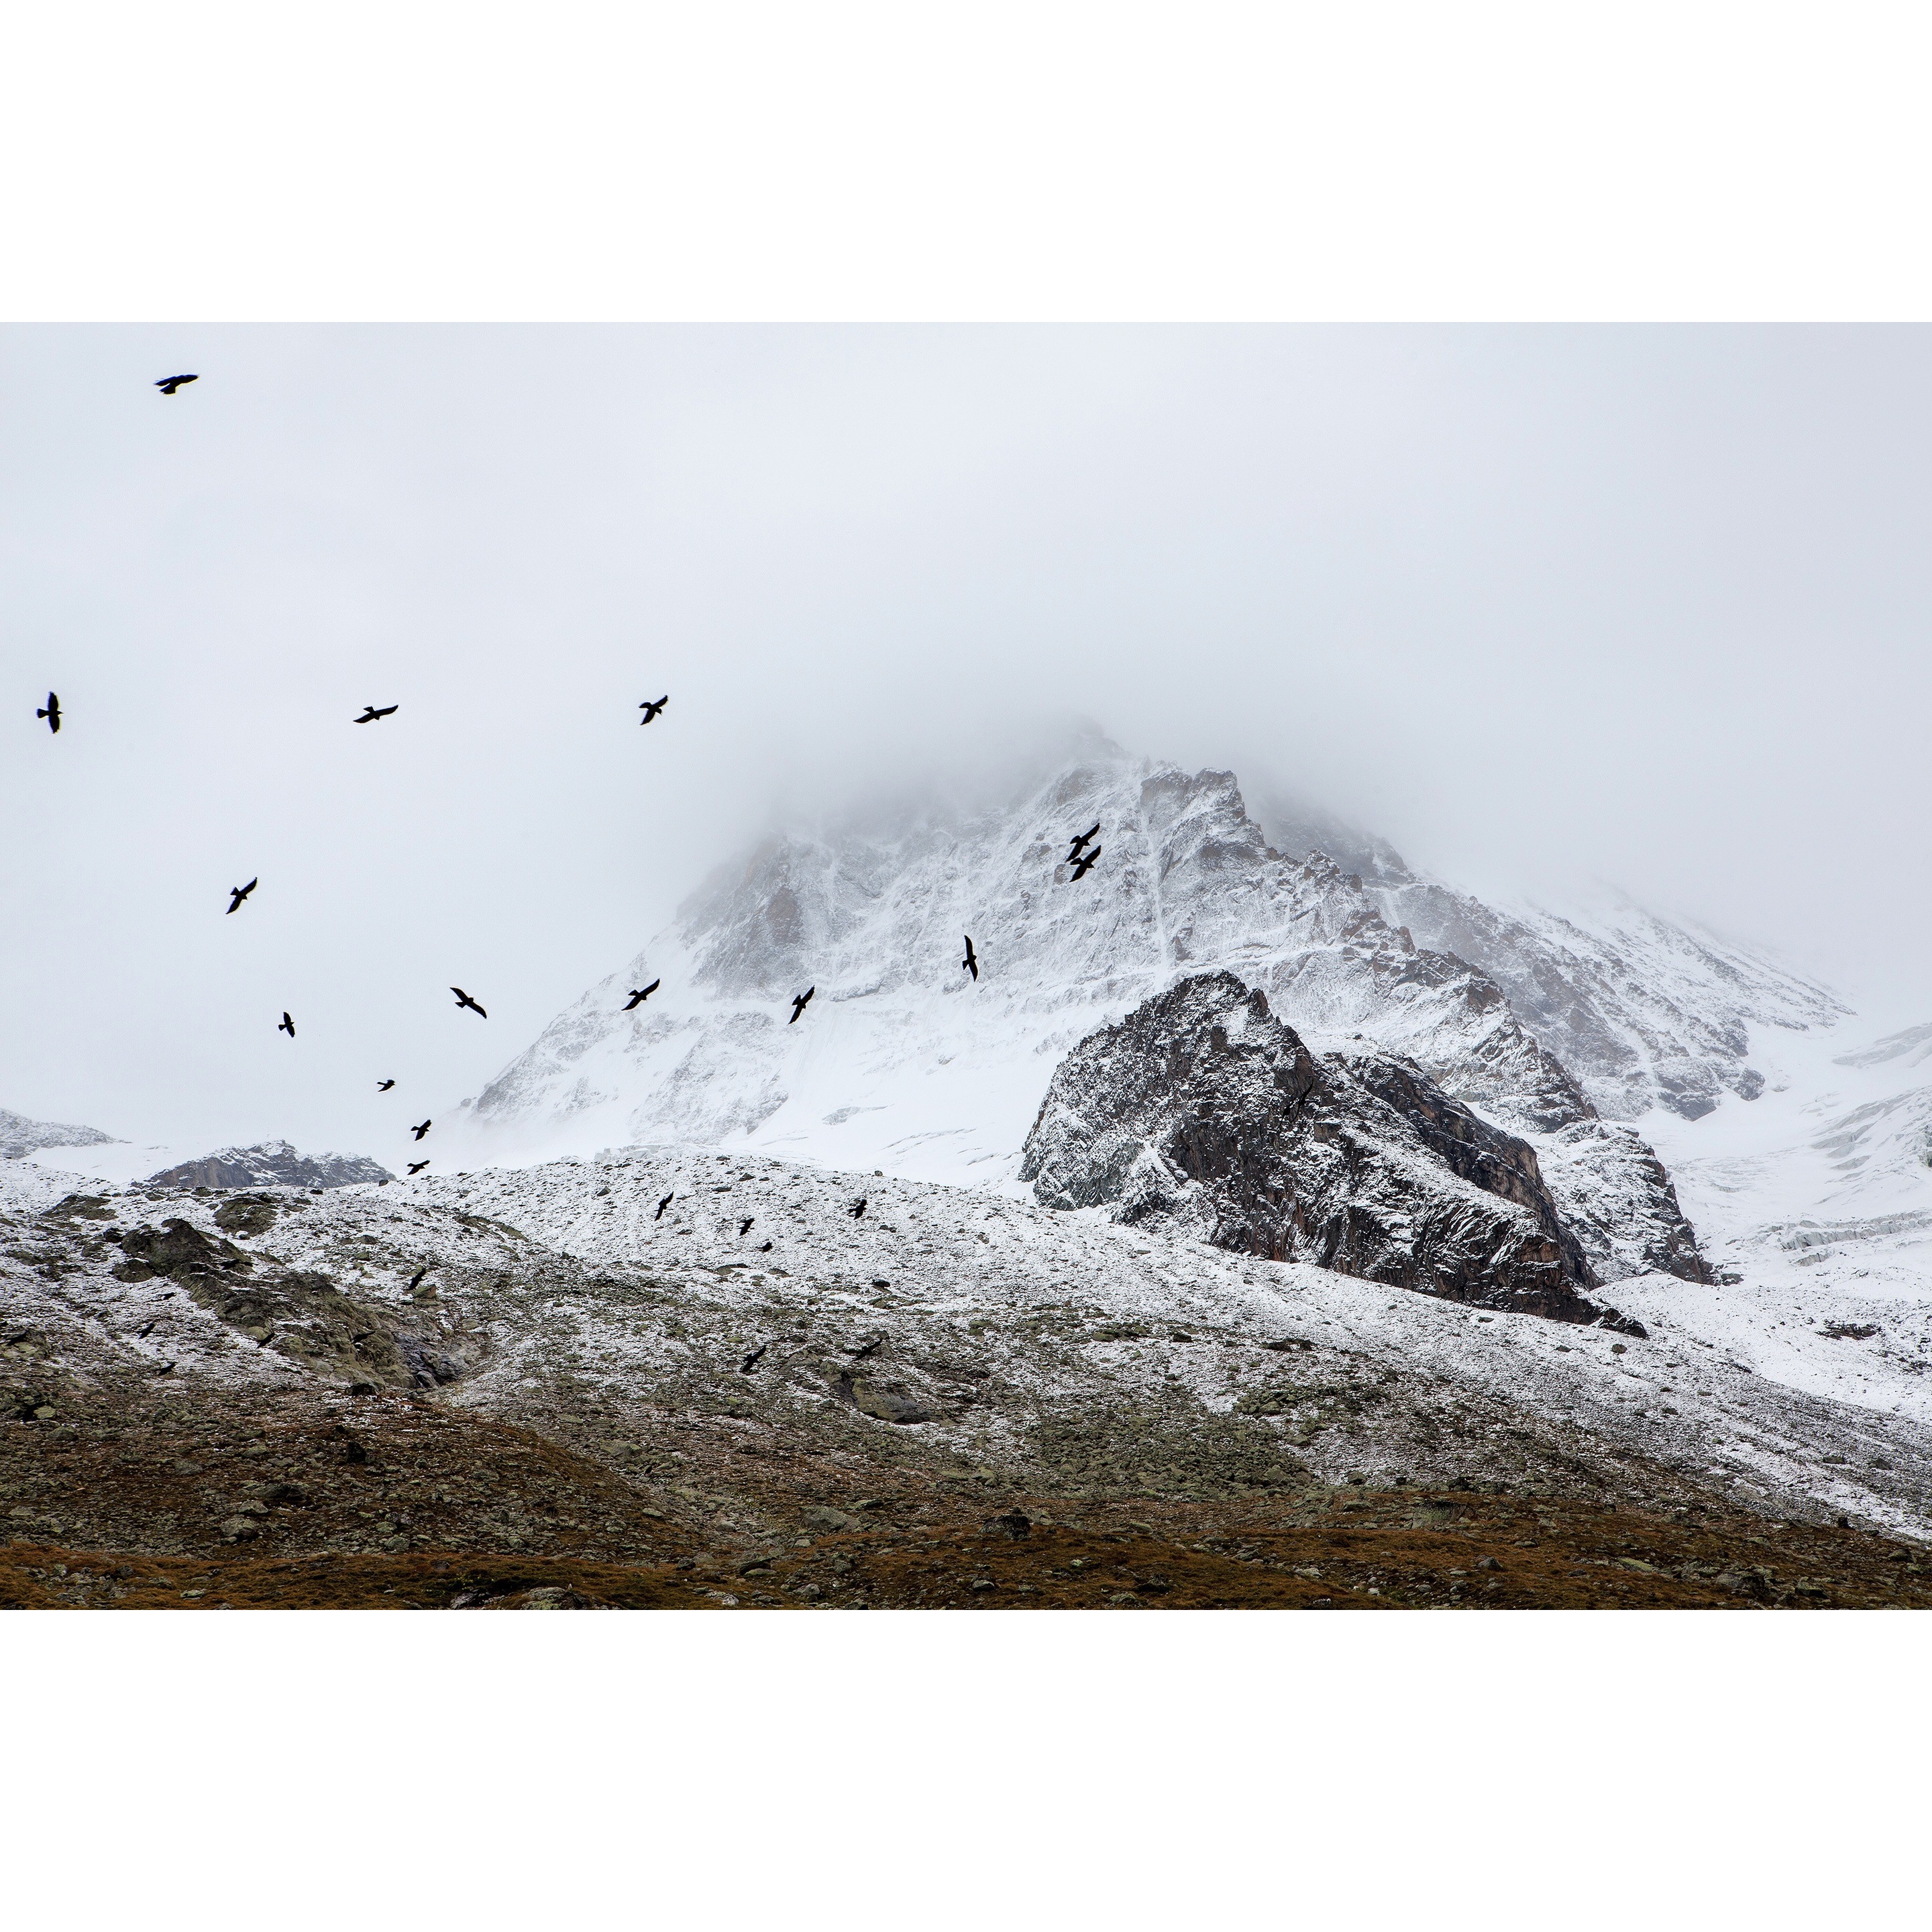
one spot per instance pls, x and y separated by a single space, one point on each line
271 1164
19 1136
1202 1111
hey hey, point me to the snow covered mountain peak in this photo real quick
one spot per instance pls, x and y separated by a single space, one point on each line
905 1062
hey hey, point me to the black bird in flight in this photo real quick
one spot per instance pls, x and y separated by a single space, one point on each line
857 1209
1084 864
745 1225
419 1131
383 1086
1074 849
416 1280
288 1026
168 384
971 964
51 713
799 1001
371 713
241 893
651 710
662 1205
416 1167
463 999
752 1360
640 995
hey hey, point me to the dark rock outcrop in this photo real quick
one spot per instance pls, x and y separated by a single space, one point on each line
272 1164
1202 1109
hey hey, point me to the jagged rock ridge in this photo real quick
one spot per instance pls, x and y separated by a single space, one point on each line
1202 1111
271 1164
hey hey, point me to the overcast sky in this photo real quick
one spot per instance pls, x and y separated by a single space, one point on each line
1541 605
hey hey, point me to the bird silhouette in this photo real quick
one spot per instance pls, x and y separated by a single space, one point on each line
371 713
241 893
416 1167
463 999
51 713
857 1209
640 995
383 1086
416 1280
288 1026
662 1205
971 964
1074 847
800 1002
651 710
168 384
745 1225
419 1131
1084 864
752 1360
866 1349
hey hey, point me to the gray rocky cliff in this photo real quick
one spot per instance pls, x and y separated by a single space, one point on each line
1202 1111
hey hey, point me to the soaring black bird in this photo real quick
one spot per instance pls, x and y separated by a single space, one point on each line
971 964
1084 864
241 893
745 1225
51 713
168 384
463 999
639 994
419 1131
662 1205
383 1086
416 1280
1074 850
371 712
651 710
752 1360
799 1001
416 1167
857 1209
288 1026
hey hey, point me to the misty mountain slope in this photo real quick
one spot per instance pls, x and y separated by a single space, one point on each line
270 1164
1644 1013
904 1063
19 1136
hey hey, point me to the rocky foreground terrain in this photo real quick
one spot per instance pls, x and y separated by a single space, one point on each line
681 1379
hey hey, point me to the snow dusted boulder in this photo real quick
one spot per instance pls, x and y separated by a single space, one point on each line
1202 1111
272 1164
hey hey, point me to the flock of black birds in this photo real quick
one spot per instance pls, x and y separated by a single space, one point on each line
1081 860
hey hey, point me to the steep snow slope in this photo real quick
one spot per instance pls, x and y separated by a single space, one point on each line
904 1063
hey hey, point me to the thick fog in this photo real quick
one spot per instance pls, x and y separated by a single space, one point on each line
1542 606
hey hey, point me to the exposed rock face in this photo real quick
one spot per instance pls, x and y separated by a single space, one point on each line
20 1135
272 1164
1202 1108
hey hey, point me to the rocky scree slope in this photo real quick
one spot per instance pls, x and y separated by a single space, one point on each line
1202 1112
905 1063
759 1324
